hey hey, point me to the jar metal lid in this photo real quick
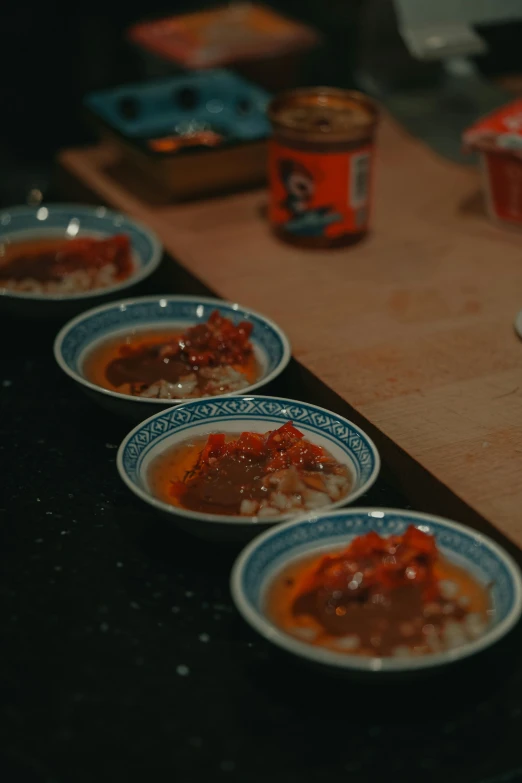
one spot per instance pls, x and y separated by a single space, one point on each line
324 115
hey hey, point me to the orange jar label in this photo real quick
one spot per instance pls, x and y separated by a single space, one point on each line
320 194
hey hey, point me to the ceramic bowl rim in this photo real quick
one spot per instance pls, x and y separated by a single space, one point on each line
344 661
136 277
154 401
217 519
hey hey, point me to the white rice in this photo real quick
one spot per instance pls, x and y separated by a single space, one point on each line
453 634
219 380
474 625
172 391
248 508
222 379
288 492
73 283
306 634
448 589
348 643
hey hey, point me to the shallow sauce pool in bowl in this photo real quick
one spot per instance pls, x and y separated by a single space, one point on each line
73 286
286 551
236 415
244 484
95 333
403 627
111 365
64 265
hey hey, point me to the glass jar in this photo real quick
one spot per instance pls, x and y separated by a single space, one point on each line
320 166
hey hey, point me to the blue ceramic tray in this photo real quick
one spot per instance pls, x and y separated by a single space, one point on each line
216 100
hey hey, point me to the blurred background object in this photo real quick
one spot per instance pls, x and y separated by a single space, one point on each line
254 40
432 63
52 54
321 160
195 133
445 28
498 140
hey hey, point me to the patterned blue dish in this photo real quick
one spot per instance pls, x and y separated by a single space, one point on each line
268 554
74 220
215 99
80 336
344 440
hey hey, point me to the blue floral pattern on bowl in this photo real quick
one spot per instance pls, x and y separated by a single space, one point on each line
81 334
221 410
166 429
185 310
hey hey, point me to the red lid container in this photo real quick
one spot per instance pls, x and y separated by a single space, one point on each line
498 139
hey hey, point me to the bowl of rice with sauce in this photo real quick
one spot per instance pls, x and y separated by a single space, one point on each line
57 260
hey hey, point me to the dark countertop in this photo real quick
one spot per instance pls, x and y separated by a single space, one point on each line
123 658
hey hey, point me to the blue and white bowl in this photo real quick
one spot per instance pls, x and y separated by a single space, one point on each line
344 440
67 221
271 552
81 335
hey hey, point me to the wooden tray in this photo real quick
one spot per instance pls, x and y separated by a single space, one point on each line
132 116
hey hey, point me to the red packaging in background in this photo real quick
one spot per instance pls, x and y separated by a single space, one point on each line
498 139
256 41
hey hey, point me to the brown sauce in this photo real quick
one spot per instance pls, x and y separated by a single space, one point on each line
49 260
391 622
146 367
112 366
222 488
36 260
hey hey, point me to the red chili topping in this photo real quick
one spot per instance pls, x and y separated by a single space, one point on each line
242 464
218 341
382 565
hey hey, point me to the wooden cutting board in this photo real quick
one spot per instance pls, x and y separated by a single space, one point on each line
413 327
